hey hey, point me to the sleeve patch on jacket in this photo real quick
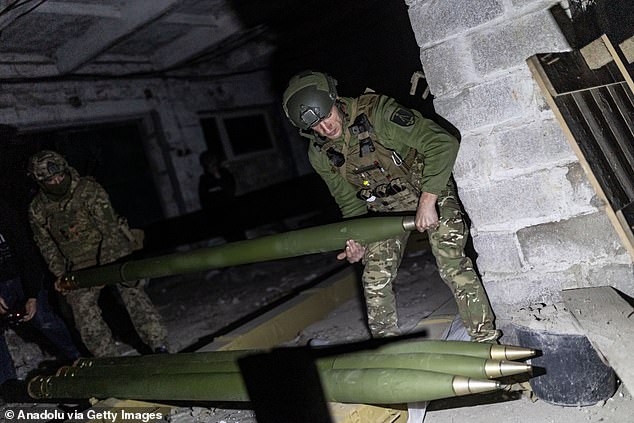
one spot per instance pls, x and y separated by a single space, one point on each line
402 117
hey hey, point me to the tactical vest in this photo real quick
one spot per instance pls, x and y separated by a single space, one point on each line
384 179
72 228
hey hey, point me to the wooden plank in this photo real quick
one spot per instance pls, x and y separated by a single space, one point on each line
624 106
608 322
364 413
585 142
542 81
626 224
284 322
618 61
629 94
568 72
618 125
604 136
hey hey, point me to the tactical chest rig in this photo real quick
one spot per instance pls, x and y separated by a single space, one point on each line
385 180
71 227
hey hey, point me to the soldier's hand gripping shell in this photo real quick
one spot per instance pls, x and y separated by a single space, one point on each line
353 252
60 286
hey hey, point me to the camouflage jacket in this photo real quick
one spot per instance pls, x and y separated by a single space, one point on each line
80 230
396 128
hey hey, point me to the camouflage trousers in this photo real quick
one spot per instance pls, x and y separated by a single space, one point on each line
448 241
94 331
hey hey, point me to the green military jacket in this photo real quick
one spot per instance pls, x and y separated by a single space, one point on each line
80 230
396 128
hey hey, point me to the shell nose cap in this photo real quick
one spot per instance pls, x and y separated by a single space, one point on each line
466 385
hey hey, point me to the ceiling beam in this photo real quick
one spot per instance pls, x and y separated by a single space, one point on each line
255 55
8 16
85 9
189 19
104 34
195 42
110 11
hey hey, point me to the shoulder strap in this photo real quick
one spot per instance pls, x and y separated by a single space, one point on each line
346 135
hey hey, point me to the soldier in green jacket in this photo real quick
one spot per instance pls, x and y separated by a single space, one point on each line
75 227
376 155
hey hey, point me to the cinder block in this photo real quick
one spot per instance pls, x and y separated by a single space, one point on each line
582 191
473 164
524 200
448 66
497 252
438 19
526 3
585 238
510 43
510 292
537 144
619 276
496 101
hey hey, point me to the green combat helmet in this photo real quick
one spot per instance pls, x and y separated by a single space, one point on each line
46 164
309 98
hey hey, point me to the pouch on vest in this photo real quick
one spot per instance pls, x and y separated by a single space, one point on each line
362 129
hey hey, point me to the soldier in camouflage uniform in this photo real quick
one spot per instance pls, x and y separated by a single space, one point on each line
75 227
376 155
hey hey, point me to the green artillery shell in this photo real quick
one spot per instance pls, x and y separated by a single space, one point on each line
372 386
191 386
460 365
160 359
473 349
289 244
443 363
398 386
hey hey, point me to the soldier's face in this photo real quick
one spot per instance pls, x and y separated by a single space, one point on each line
332 126
55 179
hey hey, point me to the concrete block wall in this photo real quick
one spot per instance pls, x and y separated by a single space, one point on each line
537 224
176 103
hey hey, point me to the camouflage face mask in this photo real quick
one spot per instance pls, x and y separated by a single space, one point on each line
56 191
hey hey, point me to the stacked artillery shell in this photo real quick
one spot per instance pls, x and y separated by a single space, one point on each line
372 386
454 364
373 377
288 244
472 349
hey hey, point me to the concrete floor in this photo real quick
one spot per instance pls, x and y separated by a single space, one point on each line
421 293
196 306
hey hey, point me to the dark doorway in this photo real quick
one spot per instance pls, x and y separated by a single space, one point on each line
112 153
